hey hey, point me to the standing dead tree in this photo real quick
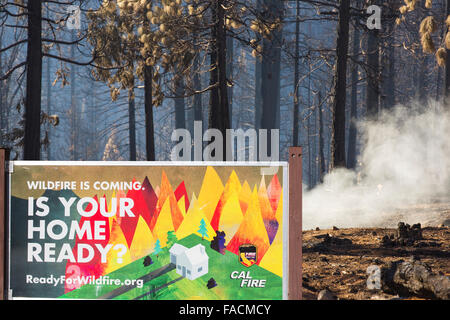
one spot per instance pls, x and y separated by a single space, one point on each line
30 15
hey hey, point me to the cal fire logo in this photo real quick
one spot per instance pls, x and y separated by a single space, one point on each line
247 255
247 280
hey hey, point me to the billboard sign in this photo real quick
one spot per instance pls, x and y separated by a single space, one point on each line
140 230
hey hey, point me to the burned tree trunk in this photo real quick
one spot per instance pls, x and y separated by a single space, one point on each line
388 54
373 66
49 106
74 110
352 134
272 11
447 62
148 103
414 278
219 117
132 124
340 85
321 140
32 135
180 114
198 108
389 72
230 57
295 119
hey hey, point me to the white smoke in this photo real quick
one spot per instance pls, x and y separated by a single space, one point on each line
404 168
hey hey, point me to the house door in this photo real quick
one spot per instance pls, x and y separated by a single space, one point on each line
184 271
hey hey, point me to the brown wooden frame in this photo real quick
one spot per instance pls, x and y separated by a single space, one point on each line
4 157
295 224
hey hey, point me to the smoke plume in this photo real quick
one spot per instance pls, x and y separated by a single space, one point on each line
403 173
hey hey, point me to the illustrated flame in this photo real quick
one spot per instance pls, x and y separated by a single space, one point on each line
246 216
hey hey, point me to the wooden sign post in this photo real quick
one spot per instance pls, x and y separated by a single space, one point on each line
4 157
295 224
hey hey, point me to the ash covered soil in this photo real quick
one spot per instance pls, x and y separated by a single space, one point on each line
336 261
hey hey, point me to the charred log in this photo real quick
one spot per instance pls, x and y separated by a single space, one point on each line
414 278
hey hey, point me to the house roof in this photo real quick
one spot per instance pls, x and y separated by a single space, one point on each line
177 249
196 254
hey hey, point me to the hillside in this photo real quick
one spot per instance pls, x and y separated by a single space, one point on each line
220 268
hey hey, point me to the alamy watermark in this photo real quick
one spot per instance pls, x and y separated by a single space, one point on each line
240 145
374 20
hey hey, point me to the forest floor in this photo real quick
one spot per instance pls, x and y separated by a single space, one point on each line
340 265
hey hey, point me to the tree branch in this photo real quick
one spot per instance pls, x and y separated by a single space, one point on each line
10 71
89 63
13 45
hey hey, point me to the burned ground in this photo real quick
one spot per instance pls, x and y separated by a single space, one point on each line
338 259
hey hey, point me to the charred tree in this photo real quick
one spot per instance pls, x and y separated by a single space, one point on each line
198 108
389 68
373 74
230 57
49 106
132 124
219 117
352 134
295 119
340 85
390 13
447 61
32 134
148 106
321 140
180 116
31 12
272 11
74 110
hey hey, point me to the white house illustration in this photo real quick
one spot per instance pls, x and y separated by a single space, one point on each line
191 263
